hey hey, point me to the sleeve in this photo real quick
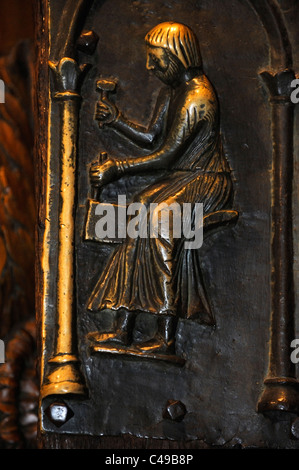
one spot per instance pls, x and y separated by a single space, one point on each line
146 137
195 107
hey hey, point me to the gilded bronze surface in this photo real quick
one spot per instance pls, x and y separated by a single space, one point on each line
171 343
64 376
154 380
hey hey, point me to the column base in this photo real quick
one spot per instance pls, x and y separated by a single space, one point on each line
280 396
64 379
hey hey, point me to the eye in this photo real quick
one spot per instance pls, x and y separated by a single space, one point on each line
155 59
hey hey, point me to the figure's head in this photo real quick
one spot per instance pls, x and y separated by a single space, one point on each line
172 48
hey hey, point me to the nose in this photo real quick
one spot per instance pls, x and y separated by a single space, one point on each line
150 63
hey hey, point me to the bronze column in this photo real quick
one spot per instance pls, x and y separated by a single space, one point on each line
64 376
281 391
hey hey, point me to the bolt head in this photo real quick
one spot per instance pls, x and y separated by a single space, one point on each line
87 42
175 410
59 413
295 429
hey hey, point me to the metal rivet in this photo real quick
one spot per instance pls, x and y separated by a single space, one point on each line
295 429
59 413
175 410
87 42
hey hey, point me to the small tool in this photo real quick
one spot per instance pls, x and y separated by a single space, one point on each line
105 86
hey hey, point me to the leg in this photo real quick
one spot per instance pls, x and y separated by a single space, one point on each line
122 329
164 339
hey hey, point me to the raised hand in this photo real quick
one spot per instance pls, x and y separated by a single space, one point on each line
106 112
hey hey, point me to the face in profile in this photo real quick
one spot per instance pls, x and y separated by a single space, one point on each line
163 64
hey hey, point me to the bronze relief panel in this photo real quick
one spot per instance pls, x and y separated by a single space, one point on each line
155 111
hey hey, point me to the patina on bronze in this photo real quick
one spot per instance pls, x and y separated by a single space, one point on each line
224 366
158 275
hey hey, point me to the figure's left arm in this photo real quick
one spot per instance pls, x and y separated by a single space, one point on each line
146 137
186 123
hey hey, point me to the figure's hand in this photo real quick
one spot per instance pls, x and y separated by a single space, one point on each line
106 112
102 173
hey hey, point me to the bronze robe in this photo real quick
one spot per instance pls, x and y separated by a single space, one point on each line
158 275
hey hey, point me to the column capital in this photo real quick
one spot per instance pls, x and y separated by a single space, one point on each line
68 76
279 85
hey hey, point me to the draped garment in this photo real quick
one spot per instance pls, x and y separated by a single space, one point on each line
159 275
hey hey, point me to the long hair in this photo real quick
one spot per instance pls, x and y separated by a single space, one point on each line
179 39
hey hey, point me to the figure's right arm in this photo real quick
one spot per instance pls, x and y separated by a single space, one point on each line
146 137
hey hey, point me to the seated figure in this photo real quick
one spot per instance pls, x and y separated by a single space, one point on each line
158 275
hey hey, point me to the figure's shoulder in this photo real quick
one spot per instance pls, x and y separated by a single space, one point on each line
201 89
200 94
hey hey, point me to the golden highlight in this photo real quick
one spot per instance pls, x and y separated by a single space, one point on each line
179 39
